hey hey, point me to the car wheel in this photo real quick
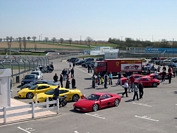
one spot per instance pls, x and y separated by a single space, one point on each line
30 95
116 102
75 98
95 107
154 84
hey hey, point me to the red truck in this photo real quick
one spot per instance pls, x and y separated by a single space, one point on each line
118 65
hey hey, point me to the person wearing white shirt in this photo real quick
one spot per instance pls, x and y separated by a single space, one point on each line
125 88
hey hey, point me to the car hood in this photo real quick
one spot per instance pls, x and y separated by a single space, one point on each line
84 103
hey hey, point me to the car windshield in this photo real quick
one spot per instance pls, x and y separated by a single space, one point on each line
35 73
33 87
93 97
50 92
29 77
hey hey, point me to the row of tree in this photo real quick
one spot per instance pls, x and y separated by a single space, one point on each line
129 42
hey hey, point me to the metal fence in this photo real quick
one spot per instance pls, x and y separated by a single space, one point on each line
21 65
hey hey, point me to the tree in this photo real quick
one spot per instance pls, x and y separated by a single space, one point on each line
89 39
61 40
70 41
0 39
53 40
46 39
28 38
20 44
24 43
34 38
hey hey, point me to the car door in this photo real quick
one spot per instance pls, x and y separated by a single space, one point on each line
63 93
144 81
104 101
42 88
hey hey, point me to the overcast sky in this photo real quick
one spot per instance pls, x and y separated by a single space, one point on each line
98 19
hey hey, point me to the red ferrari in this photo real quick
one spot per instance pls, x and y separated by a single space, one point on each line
136 76
160 75
97 101
148 81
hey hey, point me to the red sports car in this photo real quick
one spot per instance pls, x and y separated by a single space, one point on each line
97 101
160 75
136 76
148 81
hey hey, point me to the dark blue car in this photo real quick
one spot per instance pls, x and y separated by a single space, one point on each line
29 78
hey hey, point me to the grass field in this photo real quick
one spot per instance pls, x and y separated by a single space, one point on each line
50 45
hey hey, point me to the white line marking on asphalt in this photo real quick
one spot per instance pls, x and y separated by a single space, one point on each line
176 104
95 115
78 132
147 118
142 104
15 123
23 130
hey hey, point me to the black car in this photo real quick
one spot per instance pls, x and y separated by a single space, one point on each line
39 82
79 62
99 59
29 78
73 60
89 59
87 63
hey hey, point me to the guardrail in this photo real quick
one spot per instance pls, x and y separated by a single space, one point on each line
32 111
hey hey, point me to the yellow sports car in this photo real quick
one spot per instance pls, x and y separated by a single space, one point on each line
35 89
72 95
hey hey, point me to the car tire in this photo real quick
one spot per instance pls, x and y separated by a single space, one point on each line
75 98
95 107
29 95
116 102
154 84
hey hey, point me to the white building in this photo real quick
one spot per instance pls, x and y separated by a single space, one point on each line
103 50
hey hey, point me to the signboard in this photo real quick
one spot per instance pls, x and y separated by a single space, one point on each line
131 67
161 50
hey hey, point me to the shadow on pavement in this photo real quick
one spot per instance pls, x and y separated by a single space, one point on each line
175 92
87 78
100 88
89 88
75 111
130 100
16 97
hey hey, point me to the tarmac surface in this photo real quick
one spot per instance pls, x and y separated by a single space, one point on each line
155 113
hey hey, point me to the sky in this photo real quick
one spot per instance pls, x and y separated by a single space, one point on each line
151 20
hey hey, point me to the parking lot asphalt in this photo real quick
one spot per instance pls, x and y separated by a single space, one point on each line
155 113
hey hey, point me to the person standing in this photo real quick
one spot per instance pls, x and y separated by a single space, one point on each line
72 72
132 80
125 88
98 78
169 74
105 80
93 81
119 82
163 76
56 93
61 80
135 92
110 78
55 77
64 74
67 84
141 90
73 83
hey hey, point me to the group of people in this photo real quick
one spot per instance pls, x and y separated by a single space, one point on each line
102 80
138 89
65 76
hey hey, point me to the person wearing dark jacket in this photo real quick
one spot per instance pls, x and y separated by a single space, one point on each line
73 83
72 72
56 93
61 80
67 84
93 81
141 91
55 78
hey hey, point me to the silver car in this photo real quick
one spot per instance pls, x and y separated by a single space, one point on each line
39 74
